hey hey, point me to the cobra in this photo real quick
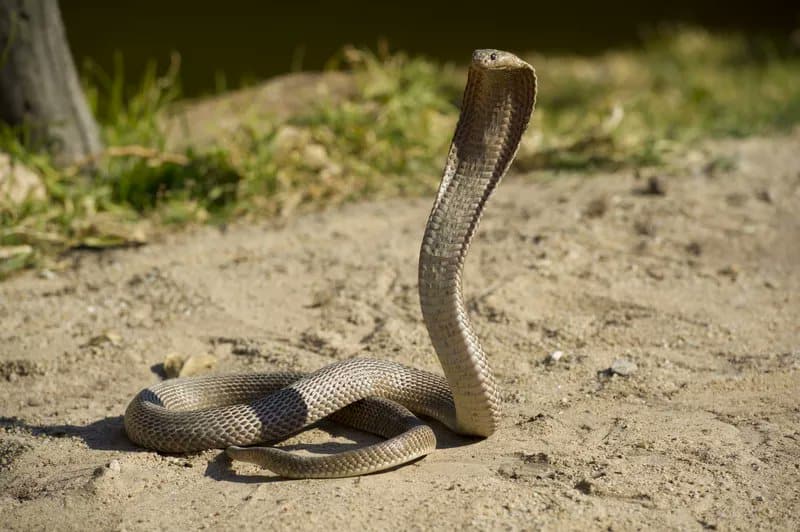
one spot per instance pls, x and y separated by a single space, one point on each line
381 397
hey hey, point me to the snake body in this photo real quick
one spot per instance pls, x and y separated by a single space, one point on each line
231 411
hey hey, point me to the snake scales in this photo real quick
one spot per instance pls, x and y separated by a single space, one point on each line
377 396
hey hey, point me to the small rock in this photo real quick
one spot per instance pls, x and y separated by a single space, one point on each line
111 469
198 365
315 156
47 274
18 183
623 367
114 466
173 363
555 356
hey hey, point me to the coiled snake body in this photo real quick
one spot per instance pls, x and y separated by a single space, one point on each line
377 396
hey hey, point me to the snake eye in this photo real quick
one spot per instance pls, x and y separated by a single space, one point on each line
493 57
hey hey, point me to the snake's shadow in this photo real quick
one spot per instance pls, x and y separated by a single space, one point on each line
221 468
445 439
107 434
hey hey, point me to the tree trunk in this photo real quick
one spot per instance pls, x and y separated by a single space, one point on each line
38 84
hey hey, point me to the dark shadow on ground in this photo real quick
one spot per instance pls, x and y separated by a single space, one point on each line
445 438
107 434
221 468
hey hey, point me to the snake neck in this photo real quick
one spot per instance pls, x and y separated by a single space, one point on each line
495 112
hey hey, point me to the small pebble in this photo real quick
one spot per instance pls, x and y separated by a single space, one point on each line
47 274
110 469
198 365
623 367
114 466
555 356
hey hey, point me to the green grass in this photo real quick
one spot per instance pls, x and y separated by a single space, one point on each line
636 108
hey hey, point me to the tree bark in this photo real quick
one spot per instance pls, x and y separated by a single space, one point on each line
39 87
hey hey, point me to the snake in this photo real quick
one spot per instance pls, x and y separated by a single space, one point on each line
237 412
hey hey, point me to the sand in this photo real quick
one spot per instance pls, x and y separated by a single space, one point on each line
645 331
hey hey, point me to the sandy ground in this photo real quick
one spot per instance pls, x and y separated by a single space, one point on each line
698 287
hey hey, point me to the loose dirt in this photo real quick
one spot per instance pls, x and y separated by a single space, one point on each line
645 331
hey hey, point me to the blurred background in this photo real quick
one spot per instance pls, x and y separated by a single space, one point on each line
183 112
225 44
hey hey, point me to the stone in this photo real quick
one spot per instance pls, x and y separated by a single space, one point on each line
315 156
623 367
198 365
19 183
114 466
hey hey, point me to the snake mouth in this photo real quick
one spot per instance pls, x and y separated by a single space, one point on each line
490 59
